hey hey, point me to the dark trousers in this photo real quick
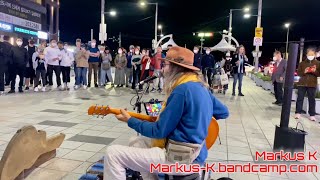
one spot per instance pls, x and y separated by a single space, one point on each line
57 71
2 71
8 71
237 77
207 76
40 73
17 70
65 74
278 91
95 68
311 91
143 77
136 77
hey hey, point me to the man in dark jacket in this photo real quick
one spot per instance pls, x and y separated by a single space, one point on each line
197 57
207 64
19 62
30 73
5 59
278 75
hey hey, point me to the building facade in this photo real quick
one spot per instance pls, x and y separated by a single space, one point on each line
29 19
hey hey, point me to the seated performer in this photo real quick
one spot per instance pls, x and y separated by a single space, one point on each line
184 118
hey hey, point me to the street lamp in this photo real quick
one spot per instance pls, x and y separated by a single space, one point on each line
246 9
143 4
113 13
202 35
160 28
247 16
287 25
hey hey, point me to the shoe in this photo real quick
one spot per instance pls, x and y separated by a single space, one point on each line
121 85
20 90
127 86
7 84
312 118
118 86
297 116
36 89
11 91
84 87
89 85
112 85
233 94
61 88
279 104
96 85
240 94
43 89
27 88
76 87
2 93
153 90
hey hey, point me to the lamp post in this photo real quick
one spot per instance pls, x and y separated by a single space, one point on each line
202 35
143 4
246 9
287 25
103 36
258 26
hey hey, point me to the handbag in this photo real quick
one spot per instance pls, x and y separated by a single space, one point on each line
105 66
224 80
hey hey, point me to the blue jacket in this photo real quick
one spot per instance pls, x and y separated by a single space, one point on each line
207 61
186 118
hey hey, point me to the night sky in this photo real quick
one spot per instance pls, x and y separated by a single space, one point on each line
182 19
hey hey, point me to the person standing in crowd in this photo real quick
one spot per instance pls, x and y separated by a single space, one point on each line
197 57
106 68
19 61
82 57
40 67
66 63
278 75
238 69
5 61
146 64
226 64
93 63
136 63
207 65
129 69
309 71
157 66
30 73
120 63
53 57
43 46
78 48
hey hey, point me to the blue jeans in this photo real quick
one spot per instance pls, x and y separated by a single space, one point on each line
236 77
82 75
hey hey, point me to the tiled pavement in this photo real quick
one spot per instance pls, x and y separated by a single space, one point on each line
249 128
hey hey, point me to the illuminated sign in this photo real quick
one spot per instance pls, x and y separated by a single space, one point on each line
5 27
25 31
42 35
19 21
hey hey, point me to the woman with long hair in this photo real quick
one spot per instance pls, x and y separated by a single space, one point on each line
146 66
120 63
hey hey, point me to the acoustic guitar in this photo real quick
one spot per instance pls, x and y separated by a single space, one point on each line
213 130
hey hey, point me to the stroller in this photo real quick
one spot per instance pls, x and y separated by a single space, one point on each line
216 80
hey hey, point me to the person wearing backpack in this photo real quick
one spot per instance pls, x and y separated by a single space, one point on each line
5 59
106 67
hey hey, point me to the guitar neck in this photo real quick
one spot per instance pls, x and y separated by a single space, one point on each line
135 115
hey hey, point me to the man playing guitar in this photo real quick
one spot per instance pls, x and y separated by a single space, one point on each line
183 121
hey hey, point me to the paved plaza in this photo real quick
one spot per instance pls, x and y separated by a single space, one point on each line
249 128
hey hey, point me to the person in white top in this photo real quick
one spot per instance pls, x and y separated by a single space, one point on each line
65 64
53 57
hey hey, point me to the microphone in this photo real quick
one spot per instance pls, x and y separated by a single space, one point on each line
148 79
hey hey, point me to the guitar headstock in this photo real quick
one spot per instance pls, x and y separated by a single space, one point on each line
99 110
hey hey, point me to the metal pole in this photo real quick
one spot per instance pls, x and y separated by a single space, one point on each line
102 21
91 34
287 43
51 21
258 26
57 21
230 27
156 29
301 49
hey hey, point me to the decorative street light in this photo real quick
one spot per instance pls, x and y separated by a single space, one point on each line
287 25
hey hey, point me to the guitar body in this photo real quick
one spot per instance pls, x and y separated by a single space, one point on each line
213 130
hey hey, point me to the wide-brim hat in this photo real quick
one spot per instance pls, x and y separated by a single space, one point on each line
182 57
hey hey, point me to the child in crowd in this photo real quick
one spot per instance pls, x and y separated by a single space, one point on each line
40 67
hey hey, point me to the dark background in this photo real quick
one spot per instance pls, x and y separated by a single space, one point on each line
181 18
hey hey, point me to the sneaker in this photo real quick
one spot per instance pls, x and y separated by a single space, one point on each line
89 85
20 90
43 89
36 89
27 88
60 88
297 116
312 118
153 90
240 94
76 87
11 91
84 87
96 85
275 102
2 93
